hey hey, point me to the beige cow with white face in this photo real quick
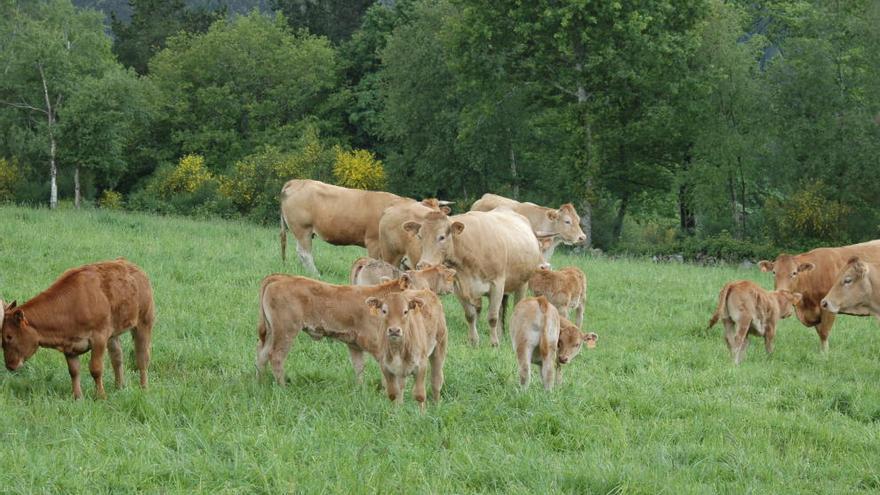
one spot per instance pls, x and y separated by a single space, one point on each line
559 225
394 242
493 253
856 290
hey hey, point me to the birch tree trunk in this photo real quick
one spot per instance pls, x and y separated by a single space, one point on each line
76 194
586 206
53 169
513 175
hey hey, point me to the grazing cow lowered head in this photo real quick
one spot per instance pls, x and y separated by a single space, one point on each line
571 341
853 290
20 341
436 234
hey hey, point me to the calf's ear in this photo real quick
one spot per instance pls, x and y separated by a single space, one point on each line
591 339
765 266
11 305
412 227
457 228
552 214
416 303
405 281
805 267
445 209
374 304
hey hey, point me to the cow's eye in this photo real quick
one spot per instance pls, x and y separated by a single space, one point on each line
567 222
384 311
8 337
441 238
793 274
847 280
405 312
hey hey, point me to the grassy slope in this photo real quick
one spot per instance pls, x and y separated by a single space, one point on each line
657 407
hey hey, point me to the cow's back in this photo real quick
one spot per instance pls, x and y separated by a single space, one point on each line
499 243
534 214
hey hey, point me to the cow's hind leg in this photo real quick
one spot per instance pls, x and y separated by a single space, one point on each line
115 348
304 249
524 359
281 342
73 369
548 369
742 335
142 337
496 295
437 359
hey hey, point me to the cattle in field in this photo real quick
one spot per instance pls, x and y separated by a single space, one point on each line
493 253
541 336
289 304
339 215
566 289
367 271
856 289
85 309
812 274
746 308
563 222
394 242
412 334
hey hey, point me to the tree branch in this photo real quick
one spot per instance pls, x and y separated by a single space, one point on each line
24 106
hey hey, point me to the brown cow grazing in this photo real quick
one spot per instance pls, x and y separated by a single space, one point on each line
537 326
566 289
413 333
544 221
86 308
289 304
746 308
857 289
812 274
394 242
367 271
339 215
493 253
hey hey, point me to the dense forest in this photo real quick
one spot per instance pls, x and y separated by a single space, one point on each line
725 127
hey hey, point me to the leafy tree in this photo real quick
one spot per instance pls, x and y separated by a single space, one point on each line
335 19
48 48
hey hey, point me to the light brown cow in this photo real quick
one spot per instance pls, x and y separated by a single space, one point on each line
367 271
746 308
394 242
289 304
856 290
537 326
566 289
86 308
812 274
493 253
544 221
413 333
339 215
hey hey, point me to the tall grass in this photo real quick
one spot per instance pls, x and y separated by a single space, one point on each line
657 407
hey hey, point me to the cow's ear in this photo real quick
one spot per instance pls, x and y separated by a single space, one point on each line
383 280
805 267
591 339
796 298
416 303
552 214
405 281
412 227
18 318
766 266
445 209
374 304
11 305
450 273
859 268
457 228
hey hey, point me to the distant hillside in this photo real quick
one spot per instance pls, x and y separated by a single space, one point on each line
123 9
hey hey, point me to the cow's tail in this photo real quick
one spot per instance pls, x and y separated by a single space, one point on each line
719 310
283 237
356 269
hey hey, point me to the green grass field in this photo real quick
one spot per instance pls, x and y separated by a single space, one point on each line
657 407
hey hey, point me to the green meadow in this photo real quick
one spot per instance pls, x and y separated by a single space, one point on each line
657 407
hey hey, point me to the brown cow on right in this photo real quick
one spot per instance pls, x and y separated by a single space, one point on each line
566 289
813 274
856 290
746 308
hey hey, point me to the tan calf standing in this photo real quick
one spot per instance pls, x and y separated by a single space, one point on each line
86 309
571 341
746 308
413 333
566 289
369 271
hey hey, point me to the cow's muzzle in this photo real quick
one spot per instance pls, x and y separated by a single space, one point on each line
395 333
829 306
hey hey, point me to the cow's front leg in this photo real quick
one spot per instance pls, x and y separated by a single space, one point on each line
96 366
824 329
496 295
419 387
470 314
391 385
73 369
357 362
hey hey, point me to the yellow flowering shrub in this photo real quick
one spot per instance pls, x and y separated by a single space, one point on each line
110 200
189 175
9 178
358 169
807 214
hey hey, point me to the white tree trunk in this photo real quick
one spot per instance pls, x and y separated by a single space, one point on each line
513 167
586 206
76 187
53 169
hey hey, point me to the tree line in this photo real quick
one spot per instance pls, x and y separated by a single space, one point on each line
705 126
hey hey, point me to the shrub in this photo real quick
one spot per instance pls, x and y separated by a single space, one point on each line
10 177
189 176
358 169
110 200
253 184
806 217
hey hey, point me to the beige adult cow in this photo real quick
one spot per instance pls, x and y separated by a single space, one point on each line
560 225
493 253
394 242
857 288
813 274
339 215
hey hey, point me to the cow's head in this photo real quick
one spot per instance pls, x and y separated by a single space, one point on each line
436 235
395 311
786 270
20 340
852 291
571 341
787 300
437 278
567 224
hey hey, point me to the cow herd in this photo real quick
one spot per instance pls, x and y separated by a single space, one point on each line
391 309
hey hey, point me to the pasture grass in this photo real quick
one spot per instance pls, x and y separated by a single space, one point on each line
657 407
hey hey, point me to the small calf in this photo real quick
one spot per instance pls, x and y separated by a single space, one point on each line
413 333
369 271
746 308
536 325
566 289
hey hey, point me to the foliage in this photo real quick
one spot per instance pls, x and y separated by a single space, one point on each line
806 217
10 178
358 169
189 176
111 200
